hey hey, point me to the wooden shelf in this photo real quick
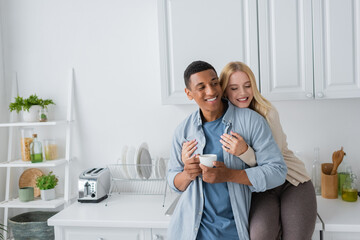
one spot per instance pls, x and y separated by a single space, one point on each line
34 124
20 163
36 203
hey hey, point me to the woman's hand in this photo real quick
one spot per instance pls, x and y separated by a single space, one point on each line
233 144
188 148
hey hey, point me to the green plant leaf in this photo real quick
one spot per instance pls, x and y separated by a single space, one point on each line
45 182
26 103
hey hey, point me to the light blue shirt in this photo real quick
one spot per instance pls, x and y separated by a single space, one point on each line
269 173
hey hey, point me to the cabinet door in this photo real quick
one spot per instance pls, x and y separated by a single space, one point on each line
285 47
211 30
337 48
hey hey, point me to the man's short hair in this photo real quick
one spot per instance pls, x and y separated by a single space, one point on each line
195 67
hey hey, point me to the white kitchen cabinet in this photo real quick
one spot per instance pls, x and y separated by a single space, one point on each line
210 30
336 48
11 199
120 216
309 49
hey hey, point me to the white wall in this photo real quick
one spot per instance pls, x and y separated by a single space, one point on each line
113 46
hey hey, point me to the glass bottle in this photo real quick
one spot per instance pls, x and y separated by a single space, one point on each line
343 171
315 173
349 189
36 150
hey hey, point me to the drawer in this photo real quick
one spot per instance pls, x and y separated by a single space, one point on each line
87 233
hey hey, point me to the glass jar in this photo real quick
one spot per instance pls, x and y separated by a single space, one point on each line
36 150
349 189
43 115
26 140
51 149
343 172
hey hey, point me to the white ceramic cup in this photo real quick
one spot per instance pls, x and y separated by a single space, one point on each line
208 159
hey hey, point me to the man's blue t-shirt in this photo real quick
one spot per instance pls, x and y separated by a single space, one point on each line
217 220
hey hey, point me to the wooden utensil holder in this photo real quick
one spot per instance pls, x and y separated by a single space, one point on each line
329 183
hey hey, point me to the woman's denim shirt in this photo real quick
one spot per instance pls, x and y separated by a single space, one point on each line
269 173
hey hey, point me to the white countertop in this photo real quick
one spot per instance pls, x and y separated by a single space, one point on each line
127 211
338 215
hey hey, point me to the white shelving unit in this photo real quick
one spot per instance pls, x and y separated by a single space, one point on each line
61 200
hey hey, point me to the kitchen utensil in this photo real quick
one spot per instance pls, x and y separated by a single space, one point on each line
28 179
337 158
94 185
329 183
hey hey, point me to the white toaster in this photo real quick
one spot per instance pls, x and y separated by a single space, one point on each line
94 185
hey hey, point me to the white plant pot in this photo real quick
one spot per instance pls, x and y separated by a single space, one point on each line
48 194
32 115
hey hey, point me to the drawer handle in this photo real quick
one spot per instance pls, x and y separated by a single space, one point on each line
156 237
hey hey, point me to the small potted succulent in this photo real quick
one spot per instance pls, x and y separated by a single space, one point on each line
46 184
30 107
2 228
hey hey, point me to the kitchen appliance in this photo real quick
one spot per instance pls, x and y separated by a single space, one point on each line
94 185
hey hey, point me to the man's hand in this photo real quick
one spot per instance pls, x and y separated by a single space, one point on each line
218 174
233 144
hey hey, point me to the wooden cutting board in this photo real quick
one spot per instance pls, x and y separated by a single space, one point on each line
28 179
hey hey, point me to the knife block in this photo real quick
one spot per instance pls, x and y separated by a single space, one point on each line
329 183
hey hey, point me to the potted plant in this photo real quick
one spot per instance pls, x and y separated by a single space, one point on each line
46 184
2 228
30 107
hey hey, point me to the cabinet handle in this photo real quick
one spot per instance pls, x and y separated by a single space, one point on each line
309 95
320 95
156 237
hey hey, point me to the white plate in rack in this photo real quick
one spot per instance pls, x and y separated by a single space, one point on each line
143 161
122 163
131 165
161 168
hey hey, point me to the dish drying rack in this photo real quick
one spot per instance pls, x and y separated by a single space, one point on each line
138 179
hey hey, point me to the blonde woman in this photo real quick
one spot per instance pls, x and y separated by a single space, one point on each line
289 210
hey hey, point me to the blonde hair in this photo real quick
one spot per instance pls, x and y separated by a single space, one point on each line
259 104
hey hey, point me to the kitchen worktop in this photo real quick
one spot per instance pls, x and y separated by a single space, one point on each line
338 215
128 211
117 212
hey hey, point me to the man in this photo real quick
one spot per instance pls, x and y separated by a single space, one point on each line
215 202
